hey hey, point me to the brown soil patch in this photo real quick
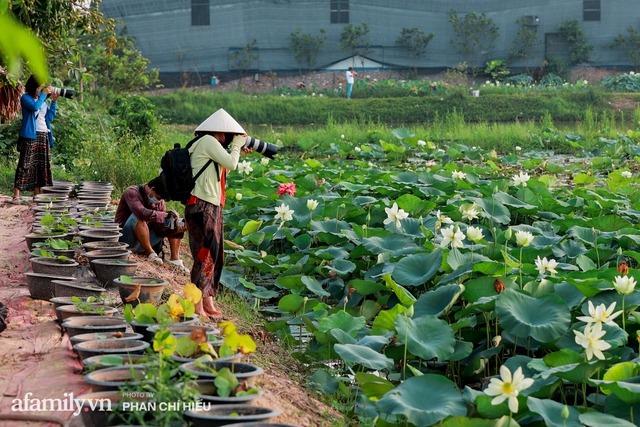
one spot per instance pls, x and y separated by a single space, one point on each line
36 357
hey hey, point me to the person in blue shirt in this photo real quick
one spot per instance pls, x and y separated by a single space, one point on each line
35 139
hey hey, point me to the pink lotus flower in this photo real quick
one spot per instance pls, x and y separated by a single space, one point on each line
288 188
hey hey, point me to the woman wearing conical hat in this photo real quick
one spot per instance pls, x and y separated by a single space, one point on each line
203 210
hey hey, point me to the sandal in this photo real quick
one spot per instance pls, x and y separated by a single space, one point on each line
16 200
213 312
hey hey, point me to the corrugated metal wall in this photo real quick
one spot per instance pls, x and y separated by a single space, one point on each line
165 35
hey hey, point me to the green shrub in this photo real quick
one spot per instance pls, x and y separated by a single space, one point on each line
552 80
134 114
558 66
622 83
520 80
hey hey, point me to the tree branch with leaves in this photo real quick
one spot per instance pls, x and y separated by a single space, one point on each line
355 40
306 47
415 42
475 36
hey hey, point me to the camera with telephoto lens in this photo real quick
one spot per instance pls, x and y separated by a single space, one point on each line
173 222
66 93
265 148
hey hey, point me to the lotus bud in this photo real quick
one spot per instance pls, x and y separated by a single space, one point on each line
565 413
623 268
496 340
638 335
410 311
305 300
508 234
619 251
499 286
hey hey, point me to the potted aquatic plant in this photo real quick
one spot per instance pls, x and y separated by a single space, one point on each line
175 310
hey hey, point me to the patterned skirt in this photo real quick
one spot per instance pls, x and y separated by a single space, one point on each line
34 166
206 241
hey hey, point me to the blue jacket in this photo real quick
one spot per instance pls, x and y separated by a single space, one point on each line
30 107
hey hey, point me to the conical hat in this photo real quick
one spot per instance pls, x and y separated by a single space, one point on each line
220 121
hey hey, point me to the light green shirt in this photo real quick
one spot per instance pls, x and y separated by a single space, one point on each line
208 184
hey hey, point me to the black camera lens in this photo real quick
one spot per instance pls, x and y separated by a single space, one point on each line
265 148
65 93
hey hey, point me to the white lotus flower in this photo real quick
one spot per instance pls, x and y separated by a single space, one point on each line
626 174
452 235
591 342
421 143
508 387
521 178
395 215
474 234
601 314
518 148
264 161
312 205
238 196
244 167
524 238
543 265
342 136
624 284
357 149
459 175
284 213
443 218
469 212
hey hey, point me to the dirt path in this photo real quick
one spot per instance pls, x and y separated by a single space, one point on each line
35 357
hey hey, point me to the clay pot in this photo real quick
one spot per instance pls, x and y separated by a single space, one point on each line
99 324
93 415
143 328
60 301
114 378
208 393
99 235
142 290
121 254
93 336
222 415
69 253
109 269
77 289
87 349
67 311
180 330
94 362
234 358
41 286
32 238
50 198
242 371
57 266
101 245
61 190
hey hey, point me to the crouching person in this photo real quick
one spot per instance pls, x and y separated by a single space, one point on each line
145 222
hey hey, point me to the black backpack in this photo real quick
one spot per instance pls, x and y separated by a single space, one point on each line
177 175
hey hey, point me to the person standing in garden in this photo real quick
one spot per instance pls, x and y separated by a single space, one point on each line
350 80
142 214
35 139
203 210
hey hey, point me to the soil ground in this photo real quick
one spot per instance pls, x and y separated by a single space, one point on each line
36 357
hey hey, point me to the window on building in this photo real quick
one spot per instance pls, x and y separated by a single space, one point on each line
340 12
591 10
199 12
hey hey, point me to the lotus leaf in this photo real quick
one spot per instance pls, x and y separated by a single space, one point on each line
361 355
426 337
551 411
438 301
545 318
420 408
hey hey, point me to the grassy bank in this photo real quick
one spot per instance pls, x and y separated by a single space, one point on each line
191 107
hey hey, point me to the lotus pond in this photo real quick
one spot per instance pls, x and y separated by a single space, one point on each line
449 285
